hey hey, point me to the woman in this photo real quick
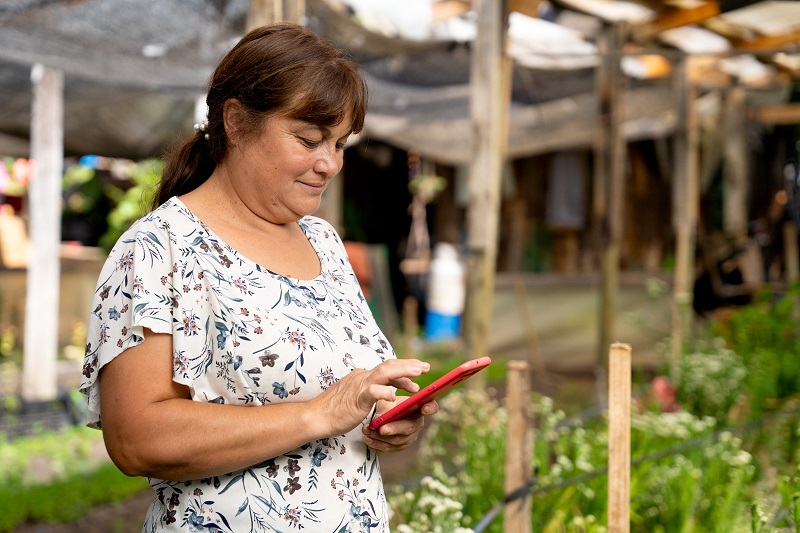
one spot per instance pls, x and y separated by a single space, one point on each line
231 357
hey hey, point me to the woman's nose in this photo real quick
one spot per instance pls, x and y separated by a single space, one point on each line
329 161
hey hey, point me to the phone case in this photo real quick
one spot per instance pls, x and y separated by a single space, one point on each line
432 391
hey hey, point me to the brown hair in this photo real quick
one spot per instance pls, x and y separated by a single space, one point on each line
280 69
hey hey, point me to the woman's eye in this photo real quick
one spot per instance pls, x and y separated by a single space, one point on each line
310 143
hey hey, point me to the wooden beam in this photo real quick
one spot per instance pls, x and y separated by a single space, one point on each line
767 42
777 114
526 7
675 17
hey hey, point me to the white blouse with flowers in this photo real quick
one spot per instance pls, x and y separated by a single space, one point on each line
246 336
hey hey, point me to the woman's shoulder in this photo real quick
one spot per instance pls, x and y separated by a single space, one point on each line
318 228
163 220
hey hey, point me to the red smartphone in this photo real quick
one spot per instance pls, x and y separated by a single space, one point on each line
431 392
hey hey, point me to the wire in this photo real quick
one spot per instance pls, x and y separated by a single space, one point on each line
529 488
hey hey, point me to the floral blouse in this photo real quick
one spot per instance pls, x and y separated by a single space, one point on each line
244 335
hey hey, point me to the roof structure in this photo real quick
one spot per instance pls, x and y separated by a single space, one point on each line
133 72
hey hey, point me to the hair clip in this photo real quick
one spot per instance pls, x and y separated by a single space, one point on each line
202 126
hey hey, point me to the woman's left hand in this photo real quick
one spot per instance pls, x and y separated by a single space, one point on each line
400 434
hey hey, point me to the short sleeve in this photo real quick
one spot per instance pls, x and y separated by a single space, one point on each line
134 292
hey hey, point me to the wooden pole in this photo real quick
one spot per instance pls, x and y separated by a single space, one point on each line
790 251
735 167
263 12
490 96
519 446
610 175
685 206
294 11
39 374
619 438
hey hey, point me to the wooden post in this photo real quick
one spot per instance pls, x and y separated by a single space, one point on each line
790 251
619 438
735 167
44 265
519 446
263 12
685 206
490 83
294 11
610 175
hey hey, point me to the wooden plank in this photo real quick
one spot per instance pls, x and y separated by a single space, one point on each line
768 43
44 267
777 114
526 7
675 17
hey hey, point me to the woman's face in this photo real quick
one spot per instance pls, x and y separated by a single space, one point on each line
281 173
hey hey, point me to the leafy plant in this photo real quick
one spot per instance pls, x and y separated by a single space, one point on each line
684 478
709 380
133 203
766 334
66 499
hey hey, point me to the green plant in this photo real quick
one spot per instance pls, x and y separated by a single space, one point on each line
64 500
766 334
132 203
709 379
684 478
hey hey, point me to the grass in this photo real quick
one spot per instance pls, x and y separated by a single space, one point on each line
65 500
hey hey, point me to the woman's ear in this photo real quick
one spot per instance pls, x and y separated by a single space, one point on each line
232 115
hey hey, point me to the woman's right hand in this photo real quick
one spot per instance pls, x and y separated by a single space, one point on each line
349 401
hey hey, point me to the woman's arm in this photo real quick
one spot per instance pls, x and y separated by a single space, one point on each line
152 428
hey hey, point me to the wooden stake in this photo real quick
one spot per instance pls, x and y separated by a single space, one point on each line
519 446
619 437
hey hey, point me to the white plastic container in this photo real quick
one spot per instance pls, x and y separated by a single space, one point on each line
446 294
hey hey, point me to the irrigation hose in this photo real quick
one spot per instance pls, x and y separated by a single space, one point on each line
529 488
